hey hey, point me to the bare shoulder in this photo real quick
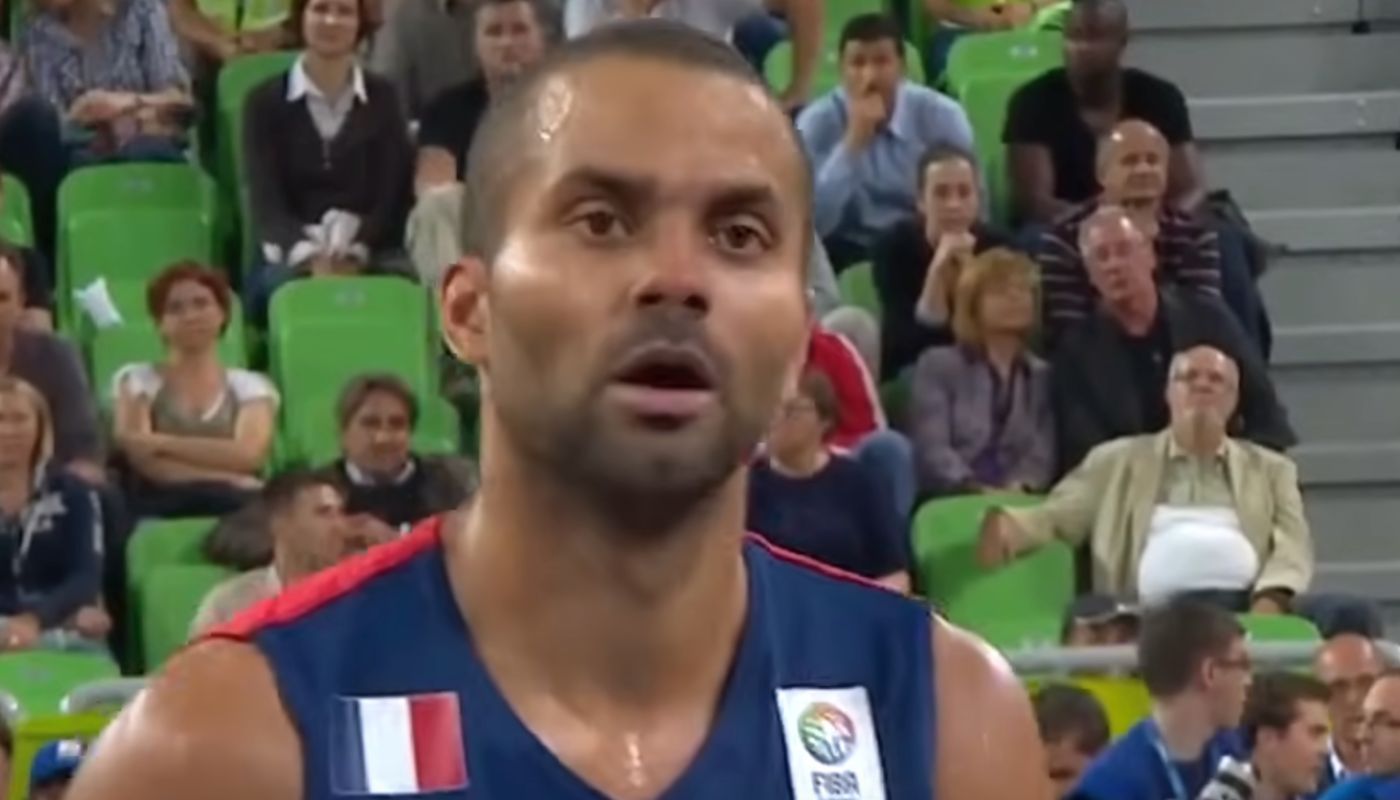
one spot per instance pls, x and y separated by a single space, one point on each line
210 725
987 744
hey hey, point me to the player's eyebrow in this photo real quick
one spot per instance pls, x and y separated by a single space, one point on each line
631 190
753 197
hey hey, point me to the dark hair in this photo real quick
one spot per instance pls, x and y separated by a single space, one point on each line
281 492
1064 710
870 29
158 291
1273 702
295 32
816 386
1110 8
360 387
15 258
497 153
545 14
941 152
1175 638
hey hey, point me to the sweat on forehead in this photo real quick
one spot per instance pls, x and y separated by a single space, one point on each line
535 108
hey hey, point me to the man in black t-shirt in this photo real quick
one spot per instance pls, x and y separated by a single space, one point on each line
510 36
1055 121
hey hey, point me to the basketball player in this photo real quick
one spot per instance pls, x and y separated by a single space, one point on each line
596 624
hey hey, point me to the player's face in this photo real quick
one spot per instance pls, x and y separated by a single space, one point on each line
645 309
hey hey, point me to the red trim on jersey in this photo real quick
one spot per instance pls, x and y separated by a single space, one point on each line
820 567
306 596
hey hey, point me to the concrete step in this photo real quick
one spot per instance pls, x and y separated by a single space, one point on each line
1290 116
1231 62
1319 291
1269 174
1329 230
1156 16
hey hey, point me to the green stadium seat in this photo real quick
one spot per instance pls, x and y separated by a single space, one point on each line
1052 18
1279 628
169 598
895 397
777 67
39 679
324 332
16 215
1022 52
130 300
236 79
153 545
985 99
131 246
110 349
857 284
35 732
1018 597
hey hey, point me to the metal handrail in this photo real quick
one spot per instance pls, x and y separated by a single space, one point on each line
1121 658
101 694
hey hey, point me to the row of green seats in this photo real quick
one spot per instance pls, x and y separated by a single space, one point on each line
160 558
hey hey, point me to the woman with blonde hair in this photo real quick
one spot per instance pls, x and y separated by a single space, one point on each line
982 418
50 535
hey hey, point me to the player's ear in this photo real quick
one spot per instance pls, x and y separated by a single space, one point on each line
466 310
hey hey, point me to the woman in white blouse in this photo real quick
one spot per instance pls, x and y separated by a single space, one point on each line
195 433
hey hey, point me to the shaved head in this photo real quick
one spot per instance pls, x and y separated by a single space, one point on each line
528 115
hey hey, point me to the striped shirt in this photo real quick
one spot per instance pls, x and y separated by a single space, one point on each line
1188 254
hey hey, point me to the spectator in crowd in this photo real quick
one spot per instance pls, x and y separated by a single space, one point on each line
509 36
821 504
1380 745
329 161
917 261
981 408
1054 122
866 140
1285 729
1132 169
1349 666
112 70
33 274
218 32
1093 620
719 18
54 767
1074 729
31 149
51 365
379 472
195 433
1186 510
52 535
304 518
424 48
1193 661
1110 369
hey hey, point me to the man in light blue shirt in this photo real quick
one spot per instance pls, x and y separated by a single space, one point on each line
865 139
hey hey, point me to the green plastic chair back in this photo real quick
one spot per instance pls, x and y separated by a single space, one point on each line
17 214
777 67
170 596
325 332
256 14
1038 586
35 732
857 283
236 79
113 348
1052 18
159 543
39 679
132 246
1279 628
1018 52
895 397
985 100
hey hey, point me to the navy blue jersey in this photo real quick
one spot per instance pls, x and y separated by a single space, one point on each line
830 695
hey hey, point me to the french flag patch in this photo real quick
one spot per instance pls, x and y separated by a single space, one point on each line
398 745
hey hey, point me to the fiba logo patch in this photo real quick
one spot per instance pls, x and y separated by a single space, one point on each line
827 733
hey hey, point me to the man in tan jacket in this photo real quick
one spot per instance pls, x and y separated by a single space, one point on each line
1186 510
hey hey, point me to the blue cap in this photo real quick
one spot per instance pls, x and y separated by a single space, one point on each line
56 761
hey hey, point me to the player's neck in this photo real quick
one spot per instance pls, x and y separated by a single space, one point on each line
1185 727
563 600
1264 789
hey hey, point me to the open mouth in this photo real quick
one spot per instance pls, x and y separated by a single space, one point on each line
665 383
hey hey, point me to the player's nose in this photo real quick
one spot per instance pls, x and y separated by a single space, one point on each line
675 273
